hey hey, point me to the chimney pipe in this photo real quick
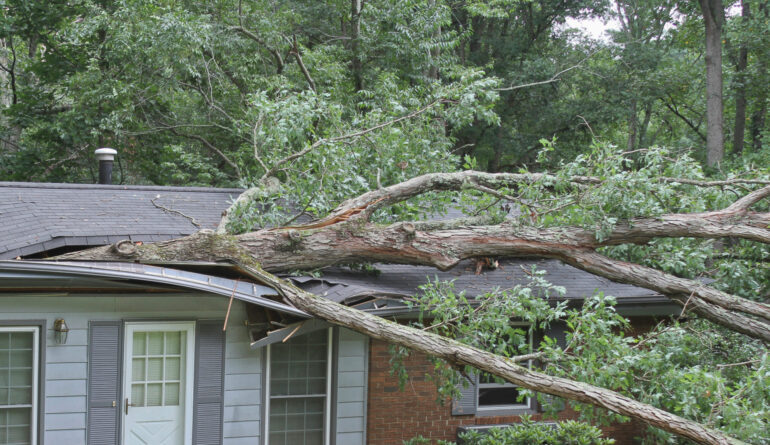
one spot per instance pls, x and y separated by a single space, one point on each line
105 156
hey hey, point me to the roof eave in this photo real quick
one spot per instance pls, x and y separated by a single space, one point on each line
93 270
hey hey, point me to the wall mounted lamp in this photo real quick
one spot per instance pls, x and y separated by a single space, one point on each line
60 331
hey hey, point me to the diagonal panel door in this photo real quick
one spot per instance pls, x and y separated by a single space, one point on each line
158 383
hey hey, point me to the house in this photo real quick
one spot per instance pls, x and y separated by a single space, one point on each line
203 353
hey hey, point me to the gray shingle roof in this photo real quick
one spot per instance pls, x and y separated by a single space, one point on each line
38 217
347 286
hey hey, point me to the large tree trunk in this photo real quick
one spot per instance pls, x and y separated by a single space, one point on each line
713 17
355 44
346 236
461 355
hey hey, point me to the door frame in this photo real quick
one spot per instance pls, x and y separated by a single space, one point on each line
151 326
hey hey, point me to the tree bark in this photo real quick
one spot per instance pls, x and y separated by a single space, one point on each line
739 129
355 34
713 17
346 235
461 355
757 125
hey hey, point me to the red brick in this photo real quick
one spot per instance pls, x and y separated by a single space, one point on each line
397 416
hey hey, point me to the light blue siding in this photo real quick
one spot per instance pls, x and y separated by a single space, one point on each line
66 366
352 362
243 384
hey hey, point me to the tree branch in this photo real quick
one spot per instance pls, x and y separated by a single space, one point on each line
457 181
355 134
554 78
695 128
459 355
295 52
210 146
276 55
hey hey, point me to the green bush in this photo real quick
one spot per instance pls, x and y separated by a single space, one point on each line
527 432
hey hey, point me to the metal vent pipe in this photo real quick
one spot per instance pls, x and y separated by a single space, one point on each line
106 157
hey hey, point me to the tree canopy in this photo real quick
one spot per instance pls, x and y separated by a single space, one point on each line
373 116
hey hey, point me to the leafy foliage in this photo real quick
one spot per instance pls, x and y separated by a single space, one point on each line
528 432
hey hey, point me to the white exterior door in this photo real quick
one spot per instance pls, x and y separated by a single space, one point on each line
158 376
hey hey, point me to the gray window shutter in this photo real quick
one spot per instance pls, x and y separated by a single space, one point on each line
105 350
352 351
209 383
468 401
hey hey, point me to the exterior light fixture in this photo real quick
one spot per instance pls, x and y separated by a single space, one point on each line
60 331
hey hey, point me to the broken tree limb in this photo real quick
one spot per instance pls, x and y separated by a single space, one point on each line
460 355
347 236
401 243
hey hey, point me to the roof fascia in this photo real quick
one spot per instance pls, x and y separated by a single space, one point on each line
79 271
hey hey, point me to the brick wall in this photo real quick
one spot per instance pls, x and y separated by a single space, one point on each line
395 416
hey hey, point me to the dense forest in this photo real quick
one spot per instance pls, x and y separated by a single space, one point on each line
217 93
655 136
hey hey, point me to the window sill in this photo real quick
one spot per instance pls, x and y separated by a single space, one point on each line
515 410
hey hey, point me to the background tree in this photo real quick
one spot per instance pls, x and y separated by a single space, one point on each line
713 19
315 103
606 214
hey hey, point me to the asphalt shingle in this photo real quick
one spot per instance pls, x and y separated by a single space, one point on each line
347 286
37 217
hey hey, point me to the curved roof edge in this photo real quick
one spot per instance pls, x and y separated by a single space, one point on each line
166 188
244 291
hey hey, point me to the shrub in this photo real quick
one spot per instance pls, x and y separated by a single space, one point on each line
527 432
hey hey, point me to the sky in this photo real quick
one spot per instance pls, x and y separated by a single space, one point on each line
593 27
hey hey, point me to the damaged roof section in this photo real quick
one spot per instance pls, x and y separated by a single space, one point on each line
45 217
85 277
384 292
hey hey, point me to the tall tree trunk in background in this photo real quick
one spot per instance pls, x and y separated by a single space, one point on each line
740 91
632 127
758 116
12 134
760 108
713 17
645 125
355 33
435 52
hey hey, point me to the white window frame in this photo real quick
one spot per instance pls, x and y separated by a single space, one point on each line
328 401
511 408
35 330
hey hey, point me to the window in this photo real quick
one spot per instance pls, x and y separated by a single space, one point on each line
157 367
496 398
19 357
298 401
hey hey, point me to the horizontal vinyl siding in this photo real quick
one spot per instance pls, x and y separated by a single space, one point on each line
243 382
66 366
350 395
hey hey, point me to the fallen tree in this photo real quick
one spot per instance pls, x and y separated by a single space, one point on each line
348 235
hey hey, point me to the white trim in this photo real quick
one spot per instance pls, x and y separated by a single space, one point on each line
266 391
189 328
35 330
327 407
328 410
